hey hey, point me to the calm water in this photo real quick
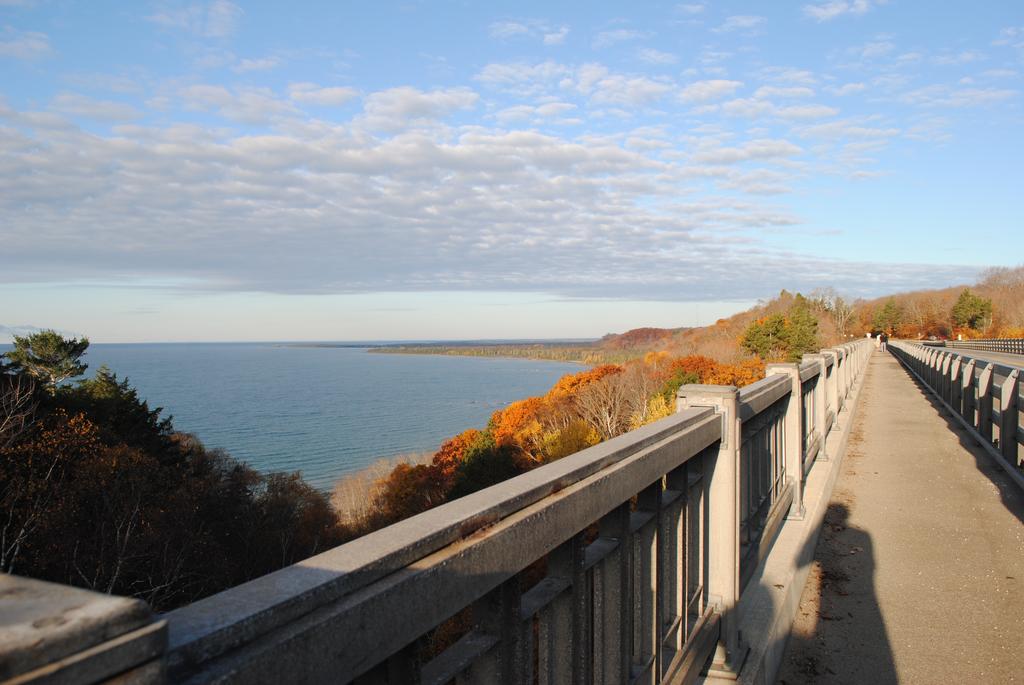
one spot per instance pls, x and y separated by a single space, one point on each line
324 411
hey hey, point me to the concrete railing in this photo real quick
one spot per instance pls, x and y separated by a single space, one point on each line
983 395
625 562
1008 345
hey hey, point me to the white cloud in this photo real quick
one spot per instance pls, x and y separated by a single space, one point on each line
556 37
545 114
89 108
693 8
703 91
652 56
741 22
947 96
848 129
606 39
799 77
827 11
747 108
876 49
790 92
325 207
618 89
27 45
806 112
256 64
846 89
755 149
216 19
523 79
508 29
313 94
959 58
397 108
1012 36
244 105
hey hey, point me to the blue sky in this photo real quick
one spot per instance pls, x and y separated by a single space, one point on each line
321 170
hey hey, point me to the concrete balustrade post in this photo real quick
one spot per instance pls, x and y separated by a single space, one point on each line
840 372
793 440
1009 411
966 406
844 377
984 424
820 391
831 389
723 514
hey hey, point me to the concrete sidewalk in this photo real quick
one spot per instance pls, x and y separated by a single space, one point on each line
919 573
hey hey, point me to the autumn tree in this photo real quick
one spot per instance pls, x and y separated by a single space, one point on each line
49 357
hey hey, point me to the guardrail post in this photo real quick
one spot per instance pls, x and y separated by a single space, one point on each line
820 392
984 425
943 386
967 392
954 384
723 515
793 434
1009 413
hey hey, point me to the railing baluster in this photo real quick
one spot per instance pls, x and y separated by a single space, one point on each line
967 379
646 649
1009 417
612 585
564 646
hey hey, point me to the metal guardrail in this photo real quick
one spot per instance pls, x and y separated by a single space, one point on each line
624 562
985 395
1006 345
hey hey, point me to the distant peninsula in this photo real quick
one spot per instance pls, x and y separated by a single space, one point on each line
613 348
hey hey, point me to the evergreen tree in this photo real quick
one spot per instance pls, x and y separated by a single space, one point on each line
49 356
971 311
888 318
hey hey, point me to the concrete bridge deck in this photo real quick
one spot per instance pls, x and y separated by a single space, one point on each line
918 576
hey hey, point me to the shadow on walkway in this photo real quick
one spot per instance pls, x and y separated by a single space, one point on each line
839 635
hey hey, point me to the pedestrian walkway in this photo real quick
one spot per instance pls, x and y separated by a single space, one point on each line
918 576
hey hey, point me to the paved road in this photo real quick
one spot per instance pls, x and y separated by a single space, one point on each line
919 573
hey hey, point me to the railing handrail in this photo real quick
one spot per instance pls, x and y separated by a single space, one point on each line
1004 345
207 628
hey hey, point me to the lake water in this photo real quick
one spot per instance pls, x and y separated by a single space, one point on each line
325 411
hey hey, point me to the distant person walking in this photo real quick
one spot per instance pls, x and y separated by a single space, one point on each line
883 341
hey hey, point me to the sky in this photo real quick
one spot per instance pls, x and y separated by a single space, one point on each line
192 171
